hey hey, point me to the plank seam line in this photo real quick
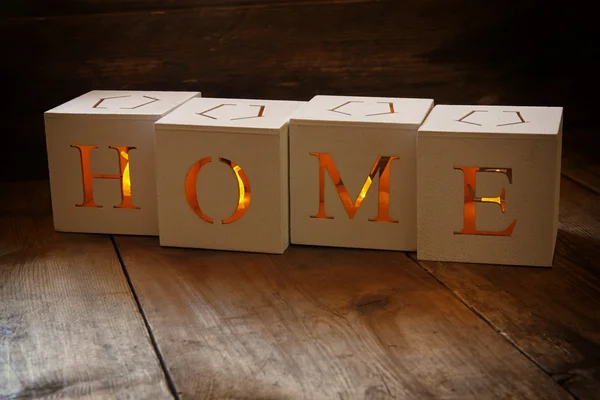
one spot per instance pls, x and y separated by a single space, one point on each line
163 364
491 325
580 182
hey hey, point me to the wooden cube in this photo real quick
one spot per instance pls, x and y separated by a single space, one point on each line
101 160
353 172
222 175
488 184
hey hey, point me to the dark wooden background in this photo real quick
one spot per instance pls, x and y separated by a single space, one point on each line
463 51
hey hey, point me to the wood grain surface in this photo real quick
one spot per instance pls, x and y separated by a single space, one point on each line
465 51
54 8
69 325
580 161
319 323
553 316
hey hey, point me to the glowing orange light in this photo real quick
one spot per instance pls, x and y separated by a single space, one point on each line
126 177
88 176
364 190
190 189
244 197
381 167
497 200
471 200
243 191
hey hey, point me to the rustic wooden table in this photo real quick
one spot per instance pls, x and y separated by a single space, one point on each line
98 316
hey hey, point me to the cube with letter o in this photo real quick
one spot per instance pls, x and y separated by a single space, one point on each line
488 184
101 160
353 172
222 175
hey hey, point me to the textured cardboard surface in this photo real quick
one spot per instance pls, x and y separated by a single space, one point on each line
531 199
78 123
367 111
263 158
518 122
123 103
238 115
354 144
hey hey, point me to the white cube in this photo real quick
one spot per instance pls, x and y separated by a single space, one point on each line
222 175
488 184
101 160
353 172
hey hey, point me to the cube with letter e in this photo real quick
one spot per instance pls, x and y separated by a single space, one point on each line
353 172
488 184
101 160
222 175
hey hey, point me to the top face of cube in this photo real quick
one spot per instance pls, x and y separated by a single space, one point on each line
123 104
519 122
364 111
233 115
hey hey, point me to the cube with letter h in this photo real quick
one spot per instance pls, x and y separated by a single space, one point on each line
101 160
488 184
222 175
353 172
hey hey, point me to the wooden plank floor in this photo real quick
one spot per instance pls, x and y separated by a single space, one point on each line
315 323
319 323
69 325
553 316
